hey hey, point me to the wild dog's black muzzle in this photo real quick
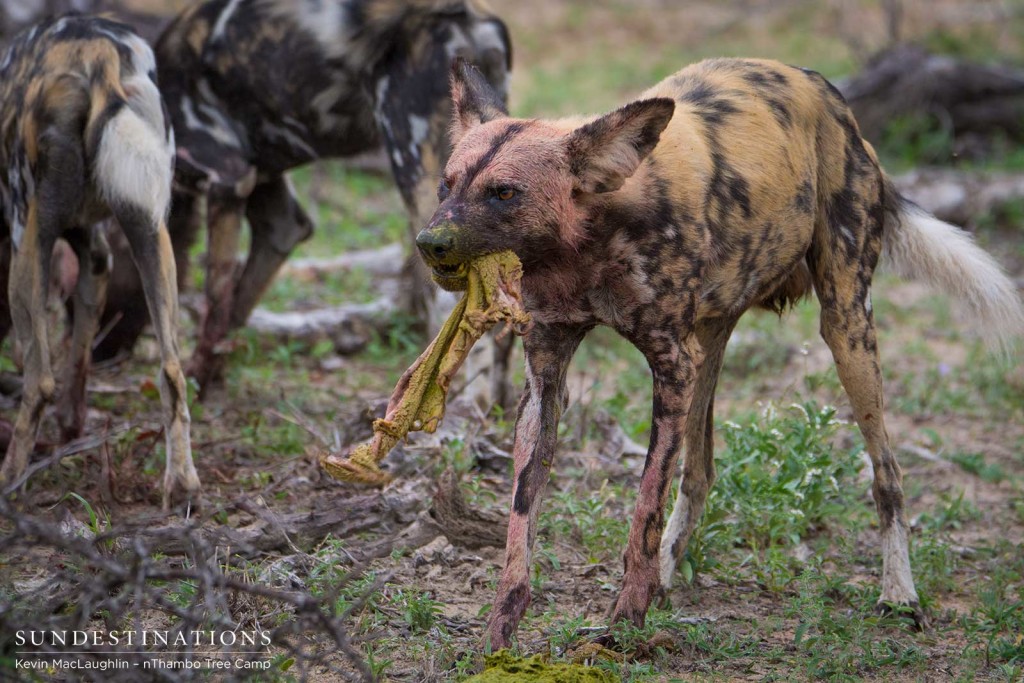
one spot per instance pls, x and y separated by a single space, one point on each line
435 244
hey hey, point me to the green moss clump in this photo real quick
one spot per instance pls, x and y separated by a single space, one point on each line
504 667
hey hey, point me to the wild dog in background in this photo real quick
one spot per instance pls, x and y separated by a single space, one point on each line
85 138
732 184
258 87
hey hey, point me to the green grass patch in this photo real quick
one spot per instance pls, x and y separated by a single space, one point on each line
781 480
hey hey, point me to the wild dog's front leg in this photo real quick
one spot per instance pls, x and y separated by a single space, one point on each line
674 367
224 227
90 246
151 248
278 225
548 351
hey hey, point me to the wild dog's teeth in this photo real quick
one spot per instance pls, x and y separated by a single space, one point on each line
450 269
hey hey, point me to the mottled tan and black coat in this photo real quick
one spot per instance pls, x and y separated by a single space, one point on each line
84 137
256 88
729 185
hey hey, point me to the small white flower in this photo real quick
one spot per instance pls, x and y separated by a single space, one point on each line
811 474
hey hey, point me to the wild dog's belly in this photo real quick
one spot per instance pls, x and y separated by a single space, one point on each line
750 265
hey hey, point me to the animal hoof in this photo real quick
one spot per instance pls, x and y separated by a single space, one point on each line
911 611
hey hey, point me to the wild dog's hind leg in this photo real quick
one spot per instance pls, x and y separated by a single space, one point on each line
842 280
548 352
29 280
674 366
59 176
151 248
90 246
125 314
699 454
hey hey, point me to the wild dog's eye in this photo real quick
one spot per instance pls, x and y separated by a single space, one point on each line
504 193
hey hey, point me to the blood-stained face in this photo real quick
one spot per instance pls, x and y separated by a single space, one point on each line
526 185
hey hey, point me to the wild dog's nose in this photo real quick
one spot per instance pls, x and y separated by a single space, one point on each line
434 245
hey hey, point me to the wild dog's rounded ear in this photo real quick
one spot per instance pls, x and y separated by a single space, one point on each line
474 101
603 153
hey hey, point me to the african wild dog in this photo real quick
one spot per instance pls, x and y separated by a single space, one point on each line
85 138
258 87
732 184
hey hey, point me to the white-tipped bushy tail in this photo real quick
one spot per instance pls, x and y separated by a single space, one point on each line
918 246
135 159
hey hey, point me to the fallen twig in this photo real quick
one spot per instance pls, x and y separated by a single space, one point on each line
65 451
926 454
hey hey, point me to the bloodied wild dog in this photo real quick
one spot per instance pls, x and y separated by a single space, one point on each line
731 184
258 87
85 138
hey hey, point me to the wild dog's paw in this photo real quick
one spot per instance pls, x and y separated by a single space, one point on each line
498 635
6 476
661 599
207 370
185 503
13 467
911 611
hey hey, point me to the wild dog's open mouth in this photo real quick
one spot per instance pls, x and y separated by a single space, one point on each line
451 276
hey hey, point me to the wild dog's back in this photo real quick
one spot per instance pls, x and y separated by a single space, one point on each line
768 158
757 154
279 83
